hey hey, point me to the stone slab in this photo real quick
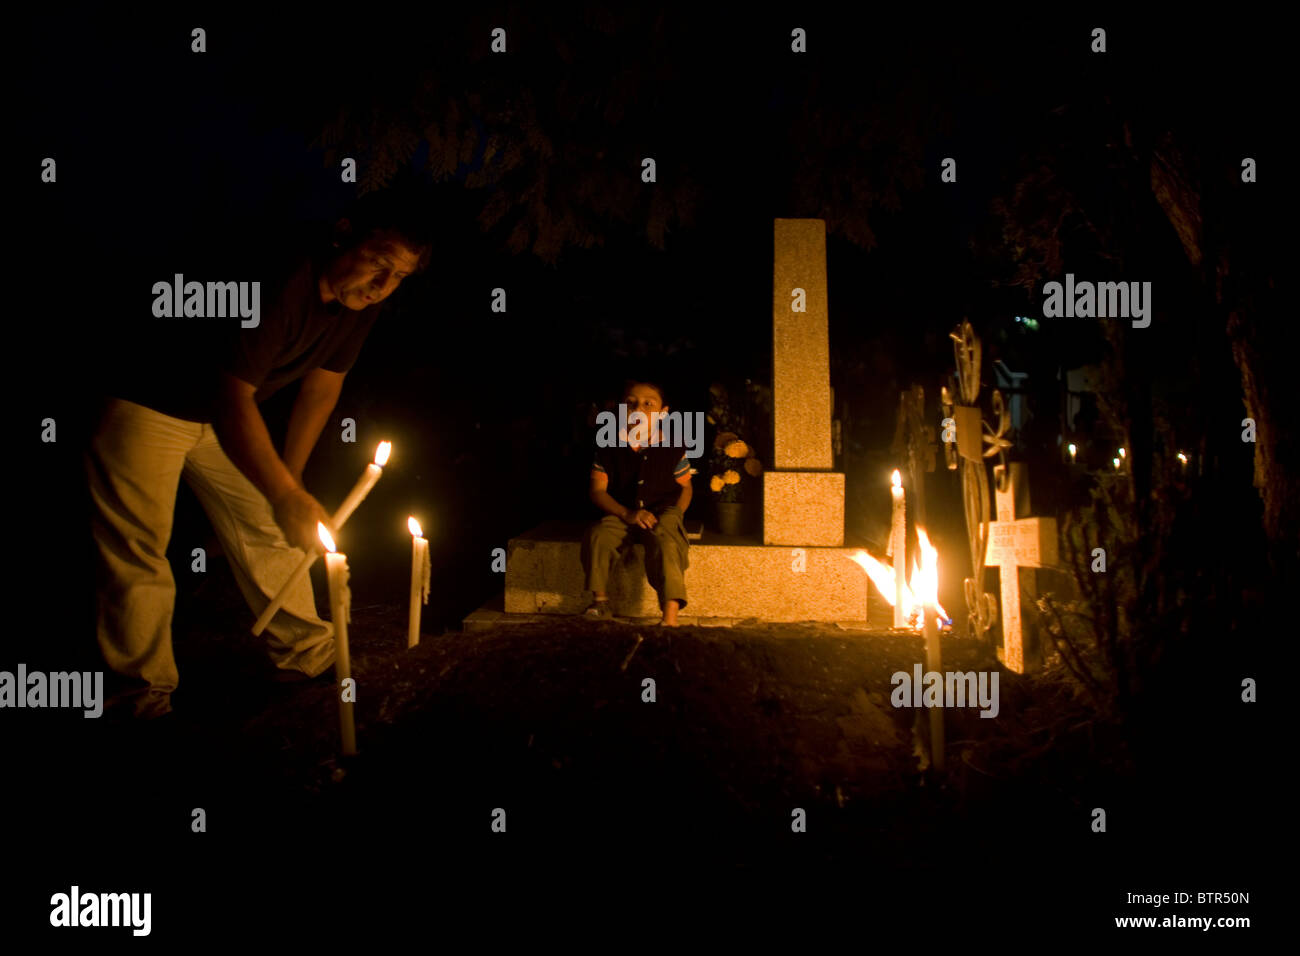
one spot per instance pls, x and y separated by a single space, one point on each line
801 360
730 582
803 508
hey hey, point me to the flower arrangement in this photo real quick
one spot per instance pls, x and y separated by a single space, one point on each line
733 458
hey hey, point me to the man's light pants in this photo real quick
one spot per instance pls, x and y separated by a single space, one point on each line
134 465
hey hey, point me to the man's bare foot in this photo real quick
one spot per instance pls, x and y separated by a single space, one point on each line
670 615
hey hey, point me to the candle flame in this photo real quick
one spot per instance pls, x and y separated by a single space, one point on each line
382 453
926 576
896 479
414 526
882 576
1123 453
1182 458
325 537
1073 449
923 589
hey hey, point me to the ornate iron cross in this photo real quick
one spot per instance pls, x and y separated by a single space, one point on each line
975 440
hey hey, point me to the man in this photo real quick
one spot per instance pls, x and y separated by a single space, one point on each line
645 488
199 419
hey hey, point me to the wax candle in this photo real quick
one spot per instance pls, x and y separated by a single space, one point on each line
420 573
363 485
898 546
1074 450
926 593
336 566
362 488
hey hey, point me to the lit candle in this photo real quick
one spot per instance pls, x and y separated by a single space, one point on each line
1123 453
336 565
1182 458
359 491
898 546
927 595
1115 462
364 484
1073 449
420 572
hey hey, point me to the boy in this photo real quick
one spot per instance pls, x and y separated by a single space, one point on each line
645 488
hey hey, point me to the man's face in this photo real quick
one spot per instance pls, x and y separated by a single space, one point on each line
370 272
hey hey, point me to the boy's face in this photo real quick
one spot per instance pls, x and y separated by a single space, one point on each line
644 398
370 272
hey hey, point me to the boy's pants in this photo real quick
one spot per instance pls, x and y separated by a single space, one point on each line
665 553
134 465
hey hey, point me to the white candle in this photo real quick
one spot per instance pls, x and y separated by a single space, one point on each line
359 491
1074 450
926 593
362 488
340 611
934 663
898 545
420 572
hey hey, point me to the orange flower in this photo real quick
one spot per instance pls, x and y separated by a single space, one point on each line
753 467
736 449
730 477
716 483
723 440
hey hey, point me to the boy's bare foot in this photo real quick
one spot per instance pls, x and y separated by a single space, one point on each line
670 615
599 607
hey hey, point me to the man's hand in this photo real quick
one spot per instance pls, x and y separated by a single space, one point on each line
297 513
642 517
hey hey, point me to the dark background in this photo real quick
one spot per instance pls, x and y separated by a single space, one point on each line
171 161
174 162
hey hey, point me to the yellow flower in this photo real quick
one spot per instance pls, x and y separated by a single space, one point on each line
723 440
737 449
753 466
730 477
716 482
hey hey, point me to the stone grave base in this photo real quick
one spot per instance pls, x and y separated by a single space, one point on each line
729 580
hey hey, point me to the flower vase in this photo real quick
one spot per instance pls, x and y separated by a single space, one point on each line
731 517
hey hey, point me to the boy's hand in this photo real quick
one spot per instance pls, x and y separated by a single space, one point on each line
642 517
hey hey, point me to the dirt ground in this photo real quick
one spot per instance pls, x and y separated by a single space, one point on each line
546 722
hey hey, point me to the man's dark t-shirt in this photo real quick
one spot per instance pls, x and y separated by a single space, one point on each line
296 334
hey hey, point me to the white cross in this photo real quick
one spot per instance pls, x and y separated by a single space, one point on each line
1016 543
